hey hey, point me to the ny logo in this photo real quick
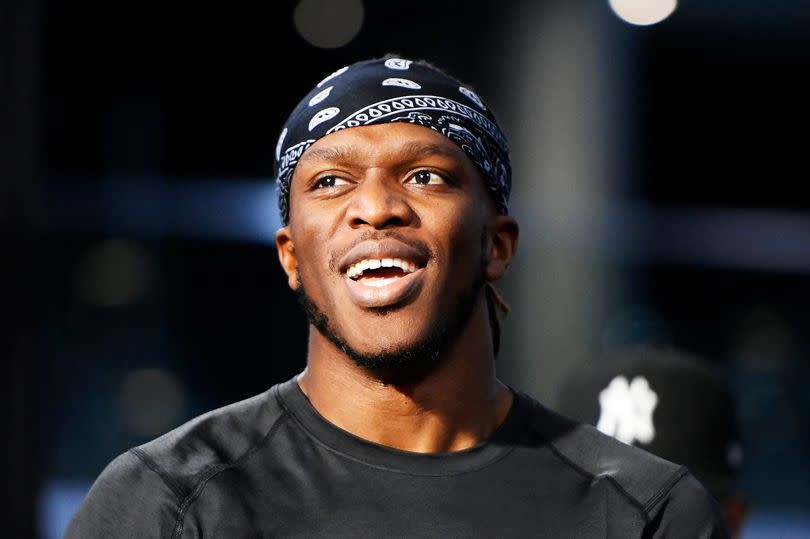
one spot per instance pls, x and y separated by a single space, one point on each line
627 410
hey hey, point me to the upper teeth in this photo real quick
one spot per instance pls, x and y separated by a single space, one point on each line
357 269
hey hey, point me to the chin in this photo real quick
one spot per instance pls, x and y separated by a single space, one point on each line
400 362
409 340
386 338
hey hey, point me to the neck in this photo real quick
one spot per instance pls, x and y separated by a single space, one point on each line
455 405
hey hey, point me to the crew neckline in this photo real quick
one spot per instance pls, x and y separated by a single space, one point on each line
343 442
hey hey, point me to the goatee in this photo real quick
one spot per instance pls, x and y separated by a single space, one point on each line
412 361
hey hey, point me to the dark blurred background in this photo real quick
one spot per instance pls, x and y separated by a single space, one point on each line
659 174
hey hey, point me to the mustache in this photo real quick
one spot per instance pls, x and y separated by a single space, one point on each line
380 235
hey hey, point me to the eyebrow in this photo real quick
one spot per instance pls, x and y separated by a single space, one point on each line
329 153
418 150
413 150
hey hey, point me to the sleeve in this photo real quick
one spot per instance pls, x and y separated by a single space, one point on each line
688 511
129 499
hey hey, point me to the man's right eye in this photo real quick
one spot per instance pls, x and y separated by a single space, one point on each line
329 181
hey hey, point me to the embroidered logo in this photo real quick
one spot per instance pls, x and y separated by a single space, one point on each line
627 410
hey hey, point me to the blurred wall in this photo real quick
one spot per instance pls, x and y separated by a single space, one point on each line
556 110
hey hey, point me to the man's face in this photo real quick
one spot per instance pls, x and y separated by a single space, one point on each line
390 234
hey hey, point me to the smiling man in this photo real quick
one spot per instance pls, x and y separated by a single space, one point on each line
394 183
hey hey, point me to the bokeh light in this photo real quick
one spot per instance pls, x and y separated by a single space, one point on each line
152 401
328 24
643 12
113 273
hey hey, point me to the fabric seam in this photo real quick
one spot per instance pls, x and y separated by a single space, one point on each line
214 470
679 474
611 480
155 467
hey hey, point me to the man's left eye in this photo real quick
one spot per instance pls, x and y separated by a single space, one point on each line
426 177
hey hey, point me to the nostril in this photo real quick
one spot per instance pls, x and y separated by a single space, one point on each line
379 223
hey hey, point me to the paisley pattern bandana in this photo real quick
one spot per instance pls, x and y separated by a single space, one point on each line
395 90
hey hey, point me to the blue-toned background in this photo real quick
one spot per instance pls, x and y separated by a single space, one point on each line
659 183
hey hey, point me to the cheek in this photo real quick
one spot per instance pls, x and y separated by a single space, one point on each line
310 262
463 244
312 257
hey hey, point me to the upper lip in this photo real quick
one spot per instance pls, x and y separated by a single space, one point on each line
388 248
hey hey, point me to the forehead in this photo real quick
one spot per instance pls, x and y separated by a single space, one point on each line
394 142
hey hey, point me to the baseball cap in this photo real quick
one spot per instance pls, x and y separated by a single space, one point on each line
671 403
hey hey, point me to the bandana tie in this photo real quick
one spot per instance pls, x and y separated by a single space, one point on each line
395 90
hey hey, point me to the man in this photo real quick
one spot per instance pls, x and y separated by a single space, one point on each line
393 184
672 404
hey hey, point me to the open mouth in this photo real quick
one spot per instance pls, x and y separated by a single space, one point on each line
384 282
379 272
384 274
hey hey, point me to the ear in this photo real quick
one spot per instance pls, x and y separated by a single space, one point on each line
287 256
502 247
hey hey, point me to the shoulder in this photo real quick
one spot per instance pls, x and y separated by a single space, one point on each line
212 441
128 499
142 491
687 510
644 479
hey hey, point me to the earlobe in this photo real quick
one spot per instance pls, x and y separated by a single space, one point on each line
504 237
287 256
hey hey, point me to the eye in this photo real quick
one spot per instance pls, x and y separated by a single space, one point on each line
426 177
327 182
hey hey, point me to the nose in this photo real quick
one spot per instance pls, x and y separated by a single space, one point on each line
377 202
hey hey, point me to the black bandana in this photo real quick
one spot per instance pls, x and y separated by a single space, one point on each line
395 90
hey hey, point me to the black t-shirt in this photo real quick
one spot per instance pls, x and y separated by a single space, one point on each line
271 466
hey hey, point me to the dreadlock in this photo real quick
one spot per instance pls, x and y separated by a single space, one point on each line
498 309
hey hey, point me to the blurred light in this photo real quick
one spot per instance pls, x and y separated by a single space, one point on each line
328 24
739 239
58 500
229 209
112 273
152 401
764 523
643 12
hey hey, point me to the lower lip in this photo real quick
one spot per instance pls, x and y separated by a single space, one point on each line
393 291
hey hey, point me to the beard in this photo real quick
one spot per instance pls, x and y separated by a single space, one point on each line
411 361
